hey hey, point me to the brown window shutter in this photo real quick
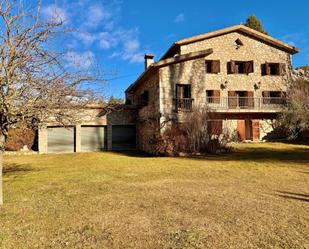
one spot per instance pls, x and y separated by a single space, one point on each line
267 69
263 69
232 99
282 69
215 66
216 94
250 99
179 91
249 67
231 67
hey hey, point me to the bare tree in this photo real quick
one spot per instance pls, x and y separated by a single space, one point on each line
295 117
35 83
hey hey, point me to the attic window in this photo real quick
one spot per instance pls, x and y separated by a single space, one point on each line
238 43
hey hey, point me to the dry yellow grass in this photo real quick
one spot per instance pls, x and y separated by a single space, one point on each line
257 197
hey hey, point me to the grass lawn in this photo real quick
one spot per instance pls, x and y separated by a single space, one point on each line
256 197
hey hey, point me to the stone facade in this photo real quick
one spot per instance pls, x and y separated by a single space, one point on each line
224 49
149 114
170 71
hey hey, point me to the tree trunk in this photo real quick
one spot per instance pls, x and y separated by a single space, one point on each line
1 185
2 145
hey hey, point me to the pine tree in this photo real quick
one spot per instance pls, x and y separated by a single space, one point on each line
254 23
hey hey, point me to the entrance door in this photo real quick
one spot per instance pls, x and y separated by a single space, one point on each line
255 130
241 130
248 130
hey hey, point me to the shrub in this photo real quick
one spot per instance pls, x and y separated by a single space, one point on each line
193 135
18 137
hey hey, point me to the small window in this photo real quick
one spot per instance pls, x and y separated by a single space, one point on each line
144 98
212 66
273 69
239 42
273 97
240 67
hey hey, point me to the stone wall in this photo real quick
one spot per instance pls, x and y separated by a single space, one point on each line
224 49
148 115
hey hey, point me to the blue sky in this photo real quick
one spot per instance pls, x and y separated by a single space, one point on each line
118 33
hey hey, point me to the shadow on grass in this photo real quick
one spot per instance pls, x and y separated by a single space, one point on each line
293 196
295 155
299 155
14 169
134 153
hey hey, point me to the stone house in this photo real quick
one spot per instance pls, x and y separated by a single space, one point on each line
240 74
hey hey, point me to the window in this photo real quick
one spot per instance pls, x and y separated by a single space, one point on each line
213 96
273 97
238 42
183 91
240 99
212 66
240 67
273 68
144 98
183 101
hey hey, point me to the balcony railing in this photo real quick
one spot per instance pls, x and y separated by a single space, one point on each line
232 103
183 105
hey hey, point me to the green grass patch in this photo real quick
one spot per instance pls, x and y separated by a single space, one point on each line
255 197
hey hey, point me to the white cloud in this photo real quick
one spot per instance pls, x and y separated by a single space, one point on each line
99 27
55 13
179 18
125 41
86 38
95 15
108 40
82 60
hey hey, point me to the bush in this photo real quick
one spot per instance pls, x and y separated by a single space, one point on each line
192 136
18 137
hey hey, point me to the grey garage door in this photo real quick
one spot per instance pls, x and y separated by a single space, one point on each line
123 137
93 138
60 139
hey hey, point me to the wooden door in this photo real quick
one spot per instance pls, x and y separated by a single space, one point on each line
248 129
255 130
241 130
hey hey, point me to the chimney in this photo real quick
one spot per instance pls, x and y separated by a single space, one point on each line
148 60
